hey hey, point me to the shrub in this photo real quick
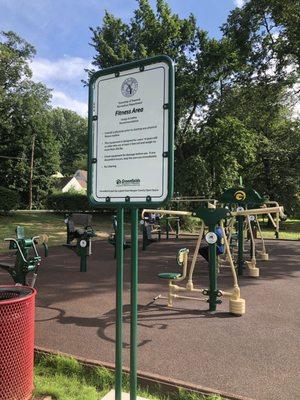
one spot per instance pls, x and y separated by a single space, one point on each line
9 199
69 201
190 224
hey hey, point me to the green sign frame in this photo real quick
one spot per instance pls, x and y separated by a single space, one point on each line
141 64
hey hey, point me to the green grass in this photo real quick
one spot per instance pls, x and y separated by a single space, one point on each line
51 224
64 378
289 229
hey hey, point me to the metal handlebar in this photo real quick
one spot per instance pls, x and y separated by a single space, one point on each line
18 246
33 245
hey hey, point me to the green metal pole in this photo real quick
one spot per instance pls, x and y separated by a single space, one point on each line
177 228
119 303
83 260
134 304
167 228
212 273
240 244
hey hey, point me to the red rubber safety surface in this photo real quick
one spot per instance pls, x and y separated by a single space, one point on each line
16 342
256 355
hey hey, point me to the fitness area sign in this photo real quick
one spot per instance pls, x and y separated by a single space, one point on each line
131 112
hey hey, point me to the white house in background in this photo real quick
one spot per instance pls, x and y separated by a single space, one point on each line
72 184
57 175
77 182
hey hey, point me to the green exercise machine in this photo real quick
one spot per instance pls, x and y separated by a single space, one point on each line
173 222
210 218
82 237
245 205
150 227
112 239
27 259
239 199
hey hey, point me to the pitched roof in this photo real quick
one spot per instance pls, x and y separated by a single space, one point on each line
60 183
81 174
82 183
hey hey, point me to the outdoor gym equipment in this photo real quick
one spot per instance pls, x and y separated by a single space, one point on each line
252 214
25 262
244 203
112 239
169 227
175 220
210 218
150 226
278 216
83 245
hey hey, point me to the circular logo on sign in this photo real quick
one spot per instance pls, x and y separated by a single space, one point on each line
240 195
211 237
129 87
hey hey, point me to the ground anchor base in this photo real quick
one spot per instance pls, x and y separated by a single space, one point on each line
237 306
264 256
253 271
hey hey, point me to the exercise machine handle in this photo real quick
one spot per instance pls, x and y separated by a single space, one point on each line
18 247
46 249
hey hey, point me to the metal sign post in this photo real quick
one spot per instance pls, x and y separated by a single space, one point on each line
131 164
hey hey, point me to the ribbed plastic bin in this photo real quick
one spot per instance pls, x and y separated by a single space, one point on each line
17 304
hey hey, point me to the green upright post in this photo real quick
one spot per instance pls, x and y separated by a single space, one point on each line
167 228
83 257
213 289
251 250
240 244
177 228
119 303
134 304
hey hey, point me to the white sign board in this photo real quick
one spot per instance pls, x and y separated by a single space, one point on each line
130 140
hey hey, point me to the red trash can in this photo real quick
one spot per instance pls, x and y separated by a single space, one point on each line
17 306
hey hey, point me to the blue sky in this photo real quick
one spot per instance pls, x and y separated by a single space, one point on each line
59 30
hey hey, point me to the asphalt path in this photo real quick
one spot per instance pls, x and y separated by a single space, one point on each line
256 355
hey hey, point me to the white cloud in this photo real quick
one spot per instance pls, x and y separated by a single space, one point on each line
63 69
61 99
63 76
239 3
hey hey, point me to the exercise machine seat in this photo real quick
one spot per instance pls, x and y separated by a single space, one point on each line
169 275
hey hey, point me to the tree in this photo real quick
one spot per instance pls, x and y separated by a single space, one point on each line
199 62
28 152
266 34
70 132
231 94
149 34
